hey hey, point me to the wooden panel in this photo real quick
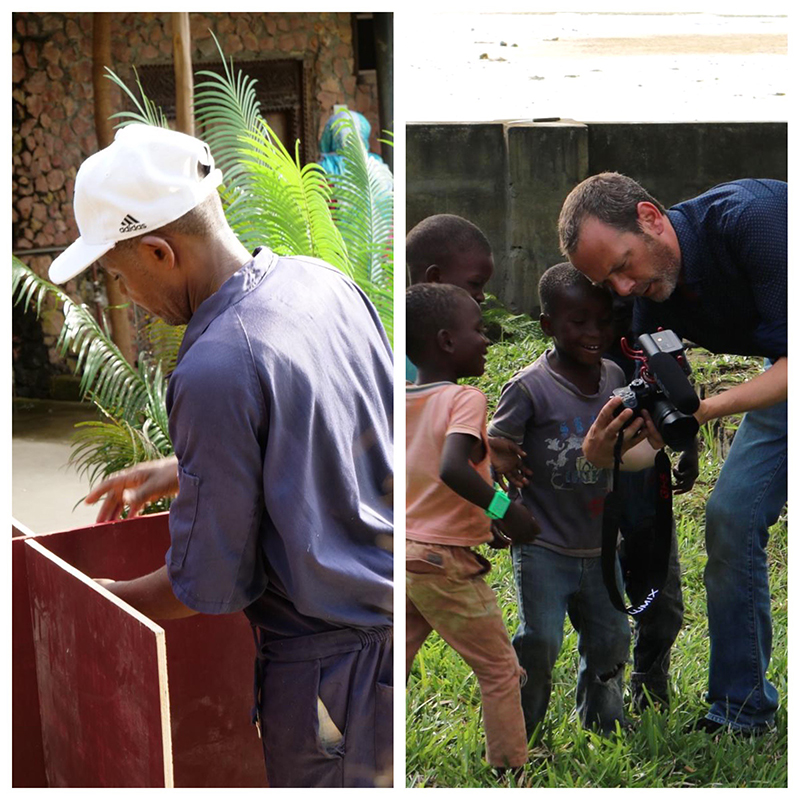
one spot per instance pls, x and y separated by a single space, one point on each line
209 658
27 756
101 670
120 550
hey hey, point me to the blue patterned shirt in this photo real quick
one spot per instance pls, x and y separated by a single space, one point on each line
733 241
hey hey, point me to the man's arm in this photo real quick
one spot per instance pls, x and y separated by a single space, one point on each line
640 456
151 594
767 389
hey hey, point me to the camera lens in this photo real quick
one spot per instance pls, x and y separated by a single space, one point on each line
676 429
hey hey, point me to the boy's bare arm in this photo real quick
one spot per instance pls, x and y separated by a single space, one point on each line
456 472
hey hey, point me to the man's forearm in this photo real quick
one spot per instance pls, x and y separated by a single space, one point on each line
152 595
767 389
640 456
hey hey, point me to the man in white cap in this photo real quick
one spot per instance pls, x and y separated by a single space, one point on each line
279 413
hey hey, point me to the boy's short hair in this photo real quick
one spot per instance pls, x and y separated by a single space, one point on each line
437 239
610 197
430 307
560 278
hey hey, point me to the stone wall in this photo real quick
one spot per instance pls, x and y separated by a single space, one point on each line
511 178
53 112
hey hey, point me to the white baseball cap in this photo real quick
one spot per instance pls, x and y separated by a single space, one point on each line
148 176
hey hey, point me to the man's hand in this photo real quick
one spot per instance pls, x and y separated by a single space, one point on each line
518 524
506 456
600 439
135 487
686 471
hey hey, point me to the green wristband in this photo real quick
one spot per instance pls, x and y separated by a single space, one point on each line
499 505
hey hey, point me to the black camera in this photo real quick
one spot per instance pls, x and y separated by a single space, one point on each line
663 388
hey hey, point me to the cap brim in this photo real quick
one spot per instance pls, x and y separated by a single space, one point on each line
75 259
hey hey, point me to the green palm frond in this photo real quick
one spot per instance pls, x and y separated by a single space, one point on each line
389 138
102 448
227 108
125 393
269 196
147 112
289 206
363 210
163 342
364 207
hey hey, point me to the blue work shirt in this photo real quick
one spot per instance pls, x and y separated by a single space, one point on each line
732 299
280 416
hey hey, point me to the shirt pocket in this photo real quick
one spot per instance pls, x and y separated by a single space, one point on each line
183 514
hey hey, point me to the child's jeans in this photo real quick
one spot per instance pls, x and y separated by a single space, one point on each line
549 586
445 592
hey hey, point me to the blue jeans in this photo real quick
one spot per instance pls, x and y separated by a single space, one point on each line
550 586
748 498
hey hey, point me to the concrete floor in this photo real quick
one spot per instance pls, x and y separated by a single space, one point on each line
44 489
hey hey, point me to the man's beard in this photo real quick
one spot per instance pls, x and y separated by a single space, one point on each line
666 270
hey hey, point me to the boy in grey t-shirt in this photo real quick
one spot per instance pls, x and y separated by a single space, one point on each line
547 408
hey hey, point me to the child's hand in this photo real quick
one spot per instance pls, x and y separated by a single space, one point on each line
506 457
600 440
519 525
499 540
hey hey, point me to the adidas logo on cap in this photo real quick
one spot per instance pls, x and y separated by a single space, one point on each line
131 224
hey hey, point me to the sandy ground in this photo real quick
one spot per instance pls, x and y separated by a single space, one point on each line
593 67
44 488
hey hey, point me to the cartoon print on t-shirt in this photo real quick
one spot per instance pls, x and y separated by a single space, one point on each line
569 467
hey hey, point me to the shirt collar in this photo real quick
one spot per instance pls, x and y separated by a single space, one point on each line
240 284
691 256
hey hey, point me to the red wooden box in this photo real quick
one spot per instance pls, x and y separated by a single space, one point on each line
103 696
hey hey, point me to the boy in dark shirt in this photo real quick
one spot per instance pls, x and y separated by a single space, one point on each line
450 504
547 409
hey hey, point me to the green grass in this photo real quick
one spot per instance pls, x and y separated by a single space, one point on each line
444 736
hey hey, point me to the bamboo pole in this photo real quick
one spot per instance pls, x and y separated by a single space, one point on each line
101 58
184 85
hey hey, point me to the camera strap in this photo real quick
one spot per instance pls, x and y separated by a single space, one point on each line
652 557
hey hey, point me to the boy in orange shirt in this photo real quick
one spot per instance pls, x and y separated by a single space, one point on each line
450 504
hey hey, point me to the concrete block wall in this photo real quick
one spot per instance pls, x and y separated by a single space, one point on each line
511 177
